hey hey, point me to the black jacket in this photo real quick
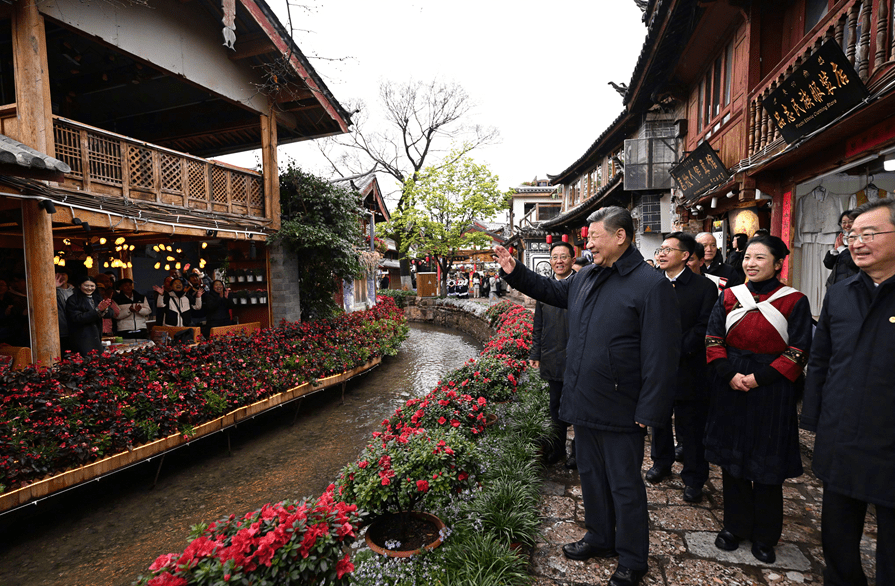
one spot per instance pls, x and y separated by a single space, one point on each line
623 349
85 324
218 309
841 266
549 336
718 268
850 393
696 296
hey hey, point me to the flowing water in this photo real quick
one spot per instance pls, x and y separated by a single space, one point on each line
109 531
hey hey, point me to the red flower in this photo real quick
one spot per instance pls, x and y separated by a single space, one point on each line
462 476
422 485
167 579
344 566
455 423
362 464
442 421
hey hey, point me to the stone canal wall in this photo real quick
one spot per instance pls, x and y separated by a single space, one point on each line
464 315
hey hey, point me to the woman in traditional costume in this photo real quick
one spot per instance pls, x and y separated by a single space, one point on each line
757 343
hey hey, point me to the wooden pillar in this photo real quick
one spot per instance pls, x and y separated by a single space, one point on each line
270 168
35 126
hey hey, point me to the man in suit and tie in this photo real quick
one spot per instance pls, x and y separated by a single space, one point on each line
696 295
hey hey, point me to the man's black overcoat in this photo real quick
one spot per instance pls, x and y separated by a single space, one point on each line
696 296
850 391
624 342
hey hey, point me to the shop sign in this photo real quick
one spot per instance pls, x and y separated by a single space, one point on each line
699 171
819 91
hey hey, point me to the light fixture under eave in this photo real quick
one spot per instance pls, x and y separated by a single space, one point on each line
889 163
730 194
714 202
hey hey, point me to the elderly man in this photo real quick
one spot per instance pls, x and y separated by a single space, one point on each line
622 355
850 399
549 336
696 296
725 275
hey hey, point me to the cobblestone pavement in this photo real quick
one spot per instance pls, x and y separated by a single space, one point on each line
682 551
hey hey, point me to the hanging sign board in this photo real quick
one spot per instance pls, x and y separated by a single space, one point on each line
699 171
823 88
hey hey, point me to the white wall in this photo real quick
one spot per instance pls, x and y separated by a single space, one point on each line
181 38
519 206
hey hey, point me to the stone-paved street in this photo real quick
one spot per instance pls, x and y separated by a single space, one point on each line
682 551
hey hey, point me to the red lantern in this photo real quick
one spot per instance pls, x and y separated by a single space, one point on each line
565 237
549 238
427 259
512 250
584 232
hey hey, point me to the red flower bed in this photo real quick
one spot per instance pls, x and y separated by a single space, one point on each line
79 411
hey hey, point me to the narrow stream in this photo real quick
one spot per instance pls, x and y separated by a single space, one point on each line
109 531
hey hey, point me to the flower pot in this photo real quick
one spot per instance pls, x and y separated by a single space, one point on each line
241 278
242 300
259 278
254 300
263 300
490 419
417 524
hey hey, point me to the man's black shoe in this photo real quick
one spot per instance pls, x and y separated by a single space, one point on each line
657 474
572 463
626 577
679 453
693 494
764 553
727 541
582 550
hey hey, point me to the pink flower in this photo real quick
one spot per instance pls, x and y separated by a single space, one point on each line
422 485
167 579
162 561
362 464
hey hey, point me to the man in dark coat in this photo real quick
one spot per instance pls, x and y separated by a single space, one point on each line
850 399
715 265
624 330
549 336
696 296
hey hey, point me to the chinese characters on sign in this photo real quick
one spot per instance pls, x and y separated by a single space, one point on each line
818 92
700 170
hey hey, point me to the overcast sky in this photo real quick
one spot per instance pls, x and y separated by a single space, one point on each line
537 71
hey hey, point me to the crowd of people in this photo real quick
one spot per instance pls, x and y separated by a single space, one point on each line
92 307
721 354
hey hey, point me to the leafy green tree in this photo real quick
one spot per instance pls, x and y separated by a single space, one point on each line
442 203
320 225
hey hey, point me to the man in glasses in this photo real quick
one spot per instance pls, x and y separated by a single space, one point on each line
696 296
850 399
550 334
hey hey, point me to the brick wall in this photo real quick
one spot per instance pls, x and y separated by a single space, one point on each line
284 293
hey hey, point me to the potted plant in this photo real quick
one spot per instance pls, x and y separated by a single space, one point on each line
253 297
262 296
399 474
259 275
446 407
240 275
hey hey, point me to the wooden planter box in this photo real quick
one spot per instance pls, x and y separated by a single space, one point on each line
69 478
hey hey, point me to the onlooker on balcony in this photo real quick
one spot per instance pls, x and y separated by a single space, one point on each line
177 306
84 311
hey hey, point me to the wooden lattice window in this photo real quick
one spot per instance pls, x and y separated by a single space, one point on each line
238 188
104 156
140 169
256 192
68 148
172 176
196 178
218 185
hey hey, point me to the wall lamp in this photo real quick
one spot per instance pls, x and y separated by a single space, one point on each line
81 223
889 163
211 233
47 206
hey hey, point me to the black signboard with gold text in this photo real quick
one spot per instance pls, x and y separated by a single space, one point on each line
819 91
700 170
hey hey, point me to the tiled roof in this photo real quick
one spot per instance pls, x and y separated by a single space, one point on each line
12 152
584 208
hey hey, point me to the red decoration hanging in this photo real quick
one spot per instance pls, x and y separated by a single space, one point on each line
565 237
512 250
549 238
584 232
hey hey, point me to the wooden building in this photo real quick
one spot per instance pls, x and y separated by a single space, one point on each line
134 99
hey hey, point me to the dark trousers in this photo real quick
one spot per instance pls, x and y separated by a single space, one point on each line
615 512
751 510
560 427
842 525
689 423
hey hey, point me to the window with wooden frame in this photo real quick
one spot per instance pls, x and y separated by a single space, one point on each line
713 96
547 211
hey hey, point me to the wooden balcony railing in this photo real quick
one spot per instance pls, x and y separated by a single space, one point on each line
106 163
854 24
